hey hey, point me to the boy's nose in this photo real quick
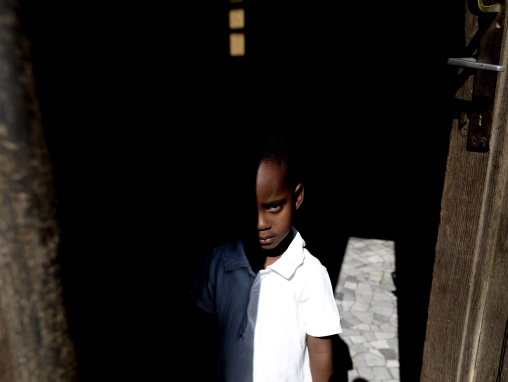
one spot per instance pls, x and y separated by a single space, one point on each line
263 223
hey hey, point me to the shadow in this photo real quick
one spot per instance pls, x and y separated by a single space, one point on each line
148 122
342 361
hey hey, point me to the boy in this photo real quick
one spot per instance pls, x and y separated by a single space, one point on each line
273 300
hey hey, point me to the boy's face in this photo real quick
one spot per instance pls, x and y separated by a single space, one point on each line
275 203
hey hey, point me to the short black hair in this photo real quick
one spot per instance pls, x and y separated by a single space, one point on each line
279 150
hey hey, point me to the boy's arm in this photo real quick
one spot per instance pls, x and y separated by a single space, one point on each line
320 357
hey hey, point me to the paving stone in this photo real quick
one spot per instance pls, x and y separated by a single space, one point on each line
369 336
362 326
350 286
385 336
380 318
339 296
388 328
388 353
376 352
382 310
357 339
395 372
366 373
373 360
365 317
345 324
347 290
351 278
355 349
368 307
381 373
360 307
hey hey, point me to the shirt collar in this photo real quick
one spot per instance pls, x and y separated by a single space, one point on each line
292 258
286 265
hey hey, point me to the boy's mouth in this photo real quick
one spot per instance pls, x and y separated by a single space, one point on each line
265 240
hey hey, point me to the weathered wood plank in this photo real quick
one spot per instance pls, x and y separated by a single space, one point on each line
494 242
454 260
34 342
466 313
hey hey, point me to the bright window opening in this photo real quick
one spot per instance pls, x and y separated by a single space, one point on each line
237 18
237 44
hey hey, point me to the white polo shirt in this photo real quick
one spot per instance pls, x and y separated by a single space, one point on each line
264 319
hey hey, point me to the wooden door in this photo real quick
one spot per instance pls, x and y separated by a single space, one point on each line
468 310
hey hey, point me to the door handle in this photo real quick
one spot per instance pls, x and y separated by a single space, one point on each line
470 62
477 6
486 69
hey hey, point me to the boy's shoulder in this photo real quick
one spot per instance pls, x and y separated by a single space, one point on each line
299 242
312 263
231 249
225 257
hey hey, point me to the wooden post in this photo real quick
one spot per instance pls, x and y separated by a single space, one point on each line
34 342
468 309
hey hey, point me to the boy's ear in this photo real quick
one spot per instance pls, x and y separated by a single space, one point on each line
299 195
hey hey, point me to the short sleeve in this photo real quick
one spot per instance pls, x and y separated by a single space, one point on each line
319 309
203 286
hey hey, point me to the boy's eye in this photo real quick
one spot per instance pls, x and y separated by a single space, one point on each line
274 207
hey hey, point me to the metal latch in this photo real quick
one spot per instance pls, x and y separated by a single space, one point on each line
477 6
485 69
471 62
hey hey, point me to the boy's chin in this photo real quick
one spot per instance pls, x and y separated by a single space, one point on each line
268 247
273 250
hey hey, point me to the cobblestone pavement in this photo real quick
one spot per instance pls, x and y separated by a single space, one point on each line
368 307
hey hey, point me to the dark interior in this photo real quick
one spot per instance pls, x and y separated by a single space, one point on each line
149 120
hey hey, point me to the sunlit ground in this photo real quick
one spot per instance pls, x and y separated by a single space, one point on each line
368 307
